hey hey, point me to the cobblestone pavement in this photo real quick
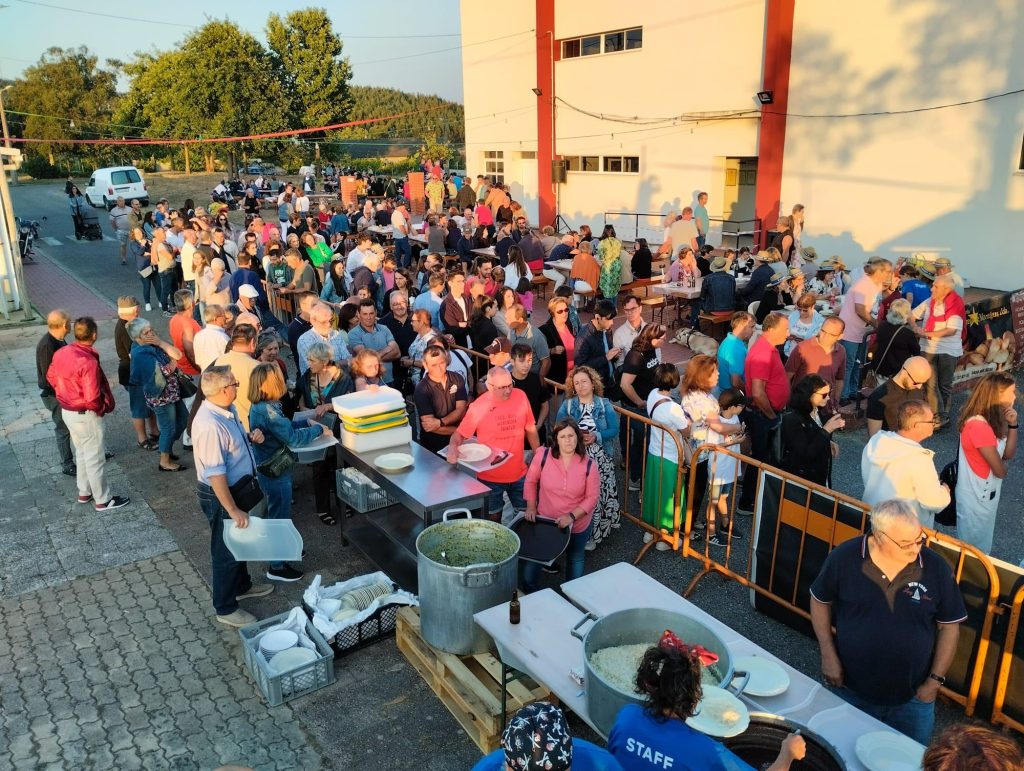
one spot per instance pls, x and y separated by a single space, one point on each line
122 669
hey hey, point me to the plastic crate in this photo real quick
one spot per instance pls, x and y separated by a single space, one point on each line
361 496
378 626
280 688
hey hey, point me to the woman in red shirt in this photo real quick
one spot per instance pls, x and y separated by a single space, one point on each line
182 328
988 442
562 484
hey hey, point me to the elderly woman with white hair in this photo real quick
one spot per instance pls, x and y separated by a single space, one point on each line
154 368
217 284
895 342
878 588
943 321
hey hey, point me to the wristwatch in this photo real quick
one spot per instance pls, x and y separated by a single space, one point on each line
938 678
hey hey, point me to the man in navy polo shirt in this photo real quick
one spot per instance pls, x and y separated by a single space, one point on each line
897 610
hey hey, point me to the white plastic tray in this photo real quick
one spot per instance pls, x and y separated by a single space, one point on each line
265 540
362 403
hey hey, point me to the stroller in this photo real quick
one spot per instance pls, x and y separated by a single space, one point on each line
91 226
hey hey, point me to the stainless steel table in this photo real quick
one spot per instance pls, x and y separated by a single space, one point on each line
388 535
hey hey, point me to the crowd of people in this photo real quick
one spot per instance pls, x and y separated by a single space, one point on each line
458 335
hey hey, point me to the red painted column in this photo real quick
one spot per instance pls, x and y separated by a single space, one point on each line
545 27
778 51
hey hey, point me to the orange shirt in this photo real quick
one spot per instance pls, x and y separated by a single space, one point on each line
177 327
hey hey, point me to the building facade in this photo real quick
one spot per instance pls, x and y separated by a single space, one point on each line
646 104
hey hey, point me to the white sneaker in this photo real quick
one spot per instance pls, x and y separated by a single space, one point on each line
149 307
590 546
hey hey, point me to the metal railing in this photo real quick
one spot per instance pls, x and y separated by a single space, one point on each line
999 717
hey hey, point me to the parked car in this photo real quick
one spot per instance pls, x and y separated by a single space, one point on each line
107 184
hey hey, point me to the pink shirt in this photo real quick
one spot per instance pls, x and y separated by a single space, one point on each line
864 292
484 216
562 490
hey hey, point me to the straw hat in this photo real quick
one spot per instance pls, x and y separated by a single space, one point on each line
809 253
718 265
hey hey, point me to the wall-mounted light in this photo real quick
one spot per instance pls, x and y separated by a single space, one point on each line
765 97
537 91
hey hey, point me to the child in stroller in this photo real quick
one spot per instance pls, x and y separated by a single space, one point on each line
91 225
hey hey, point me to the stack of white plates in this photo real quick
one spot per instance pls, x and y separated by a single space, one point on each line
273 643
362 598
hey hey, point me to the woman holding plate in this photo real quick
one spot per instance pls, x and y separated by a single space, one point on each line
669 675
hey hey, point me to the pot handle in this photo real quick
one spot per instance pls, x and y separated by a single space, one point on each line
744 678
480 574
575 631
444 517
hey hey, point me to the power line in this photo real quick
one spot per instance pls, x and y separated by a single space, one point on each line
107 15
442 50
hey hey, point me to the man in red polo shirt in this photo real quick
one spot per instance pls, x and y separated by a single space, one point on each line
821 355
768 390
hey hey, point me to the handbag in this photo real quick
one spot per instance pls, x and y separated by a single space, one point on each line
871 377
278 464
948 477
146 272
186 386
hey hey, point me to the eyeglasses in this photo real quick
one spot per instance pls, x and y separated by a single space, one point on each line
232 385
932 422
911 377
918 542
826 392
631 308
507 387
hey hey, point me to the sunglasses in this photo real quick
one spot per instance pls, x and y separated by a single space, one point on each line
561 311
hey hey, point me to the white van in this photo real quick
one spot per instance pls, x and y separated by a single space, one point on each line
107 185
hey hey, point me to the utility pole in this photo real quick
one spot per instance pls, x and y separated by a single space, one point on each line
7 134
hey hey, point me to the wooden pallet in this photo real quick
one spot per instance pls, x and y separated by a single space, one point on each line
469 686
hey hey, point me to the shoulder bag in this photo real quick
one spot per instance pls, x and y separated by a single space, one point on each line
246 492
871 378
948 476
186 386
278 464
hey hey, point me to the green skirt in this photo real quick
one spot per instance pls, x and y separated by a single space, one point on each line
658 493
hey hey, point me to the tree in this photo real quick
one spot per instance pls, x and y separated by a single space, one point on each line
218 82
65 96
429 113
305 55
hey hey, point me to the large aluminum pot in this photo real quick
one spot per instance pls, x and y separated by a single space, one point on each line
631 627
464 566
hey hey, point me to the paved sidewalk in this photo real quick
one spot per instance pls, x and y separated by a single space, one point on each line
51 286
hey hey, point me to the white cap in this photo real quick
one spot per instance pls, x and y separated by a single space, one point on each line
248 290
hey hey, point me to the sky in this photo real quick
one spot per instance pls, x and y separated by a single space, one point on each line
398 28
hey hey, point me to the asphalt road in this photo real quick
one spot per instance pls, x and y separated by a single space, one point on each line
98 265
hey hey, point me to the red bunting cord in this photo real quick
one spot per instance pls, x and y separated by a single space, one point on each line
208 140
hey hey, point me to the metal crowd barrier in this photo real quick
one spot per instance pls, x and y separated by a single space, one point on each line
1007 672
816 515
280 304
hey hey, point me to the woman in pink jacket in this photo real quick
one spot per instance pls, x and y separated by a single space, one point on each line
562 484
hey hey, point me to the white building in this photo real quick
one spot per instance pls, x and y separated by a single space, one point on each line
885 174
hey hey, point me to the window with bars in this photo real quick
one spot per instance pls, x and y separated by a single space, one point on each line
604 43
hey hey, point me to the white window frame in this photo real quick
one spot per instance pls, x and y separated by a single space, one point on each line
493 159
602 39
601 164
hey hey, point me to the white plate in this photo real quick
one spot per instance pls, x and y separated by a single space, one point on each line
708 719
277 641
291 659
766 677
321 442
393 461
889 751
473 453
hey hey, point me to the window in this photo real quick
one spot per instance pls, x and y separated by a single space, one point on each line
528 155
612 164
606 43
125 177
629 164
591 45
614 41
494 166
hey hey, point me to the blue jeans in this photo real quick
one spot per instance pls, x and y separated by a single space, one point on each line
150 284
171 419
761 431
230 577
914 718
853 356
166 297
279 500
575 553
403 252
191 286
496 500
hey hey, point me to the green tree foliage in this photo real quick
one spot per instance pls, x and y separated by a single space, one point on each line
305 55
432 115
65 83
218 82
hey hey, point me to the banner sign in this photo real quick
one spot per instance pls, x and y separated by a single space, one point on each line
995 338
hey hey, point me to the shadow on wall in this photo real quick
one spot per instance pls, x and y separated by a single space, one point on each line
981 236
